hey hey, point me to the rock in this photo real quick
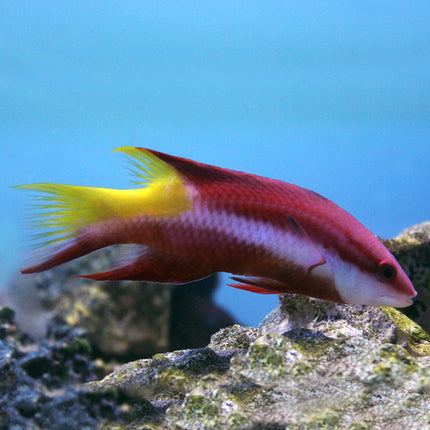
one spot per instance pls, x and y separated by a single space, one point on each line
310 364
40 383
122 320
412 250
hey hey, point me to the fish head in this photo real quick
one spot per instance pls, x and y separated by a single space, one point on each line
381 282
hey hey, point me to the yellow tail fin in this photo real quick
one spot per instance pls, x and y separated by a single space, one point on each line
66 209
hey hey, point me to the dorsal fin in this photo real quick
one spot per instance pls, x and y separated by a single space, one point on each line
147 165
200 172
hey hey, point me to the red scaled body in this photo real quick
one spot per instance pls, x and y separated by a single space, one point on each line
194 220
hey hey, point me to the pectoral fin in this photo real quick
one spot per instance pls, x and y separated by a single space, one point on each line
259 285
252 289
311 255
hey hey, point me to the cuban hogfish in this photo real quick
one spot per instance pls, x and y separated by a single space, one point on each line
190 220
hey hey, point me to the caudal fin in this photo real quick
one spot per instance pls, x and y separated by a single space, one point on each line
64 217
75 220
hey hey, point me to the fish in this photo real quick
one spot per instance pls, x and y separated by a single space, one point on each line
188 220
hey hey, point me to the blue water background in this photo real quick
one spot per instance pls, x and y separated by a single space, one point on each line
333 96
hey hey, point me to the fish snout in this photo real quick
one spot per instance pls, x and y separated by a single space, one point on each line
404 291
404 286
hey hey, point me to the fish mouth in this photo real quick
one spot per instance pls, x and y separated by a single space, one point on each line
408 302
397 302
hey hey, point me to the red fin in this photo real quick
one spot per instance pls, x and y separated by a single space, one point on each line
151 266
77 247
212 179
198 172
252 288
260 285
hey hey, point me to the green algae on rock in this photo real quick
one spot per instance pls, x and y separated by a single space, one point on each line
417 340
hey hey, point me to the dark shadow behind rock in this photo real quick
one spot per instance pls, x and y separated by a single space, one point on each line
194 314
412 250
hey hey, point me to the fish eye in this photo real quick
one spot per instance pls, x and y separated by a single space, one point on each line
386 272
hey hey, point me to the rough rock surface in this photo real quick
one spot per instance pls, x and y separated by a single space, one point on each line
39 383
310 364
